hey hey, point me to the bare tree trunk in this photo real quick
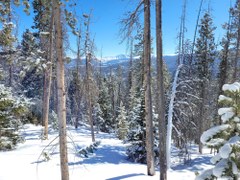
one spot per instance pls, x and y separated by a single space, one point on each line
10 73
88 52
147 89
223 67
10 70
61 92
47 82
78 99
201 117
236 58
160 93
89 103
195 34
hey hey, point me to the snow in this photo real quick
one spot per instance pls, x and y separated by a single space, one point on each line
222 111
225 150
231 87
234 168
215 158
236 119
213 131
219 169
108 162
44 33
224 98
205 175
170 116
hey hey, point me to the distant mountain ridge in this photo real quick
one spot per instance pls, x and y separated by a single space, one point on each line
123 60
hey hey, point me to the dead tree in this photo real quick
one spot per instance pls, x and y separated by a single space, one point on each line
160 93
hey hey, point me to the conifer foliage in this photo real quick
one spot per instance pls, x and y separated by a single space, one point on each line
12 113
122 123
225 137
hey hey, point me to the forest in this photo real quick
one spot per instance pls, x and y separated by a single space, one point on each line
78 118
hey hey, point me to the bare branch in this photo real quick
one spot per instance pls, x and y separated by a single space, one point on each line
130 21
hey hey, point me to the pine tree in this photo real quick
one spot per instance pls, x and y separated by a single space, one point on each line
13 110
31 64
137 127
44 22
97 116
225 137
105 104
205 54
28 44
235 34
122 123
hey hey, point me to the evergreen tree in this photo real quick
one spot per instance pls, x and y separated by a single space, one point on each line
205 54
105 104
97 116
122 123
235 35
137 127
28 44
13 110
225 137
31 65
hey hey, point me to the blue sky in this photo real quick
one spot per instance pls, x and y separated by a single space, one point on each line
107 14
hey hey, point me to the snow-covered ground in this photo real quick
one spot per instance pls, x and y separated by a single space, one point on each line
108 162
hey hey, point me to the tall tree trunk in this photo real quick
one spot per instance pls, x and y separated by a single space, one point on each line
160 93
89 98
236 57
223 66
10 73
47 82
147 89
88 52
201 116
170 116
61 92
77 94
195 34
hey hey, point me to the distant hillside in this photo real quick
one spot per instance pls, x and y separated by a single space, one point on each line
122 60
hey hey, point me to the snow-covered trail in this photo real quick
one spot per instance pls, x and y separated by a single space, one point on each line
108 162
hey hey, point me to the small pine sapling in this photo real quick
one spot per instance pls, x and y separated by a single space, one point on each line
225 137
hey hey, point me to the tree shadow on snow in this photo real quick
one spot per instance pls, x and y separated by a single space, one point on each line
105 154
126 176
194 164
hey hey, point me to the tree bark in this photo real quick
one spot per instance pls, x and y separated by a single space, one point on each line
195 34
236 57
147 89
160 93
47 82
89 77
89 99
61 107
